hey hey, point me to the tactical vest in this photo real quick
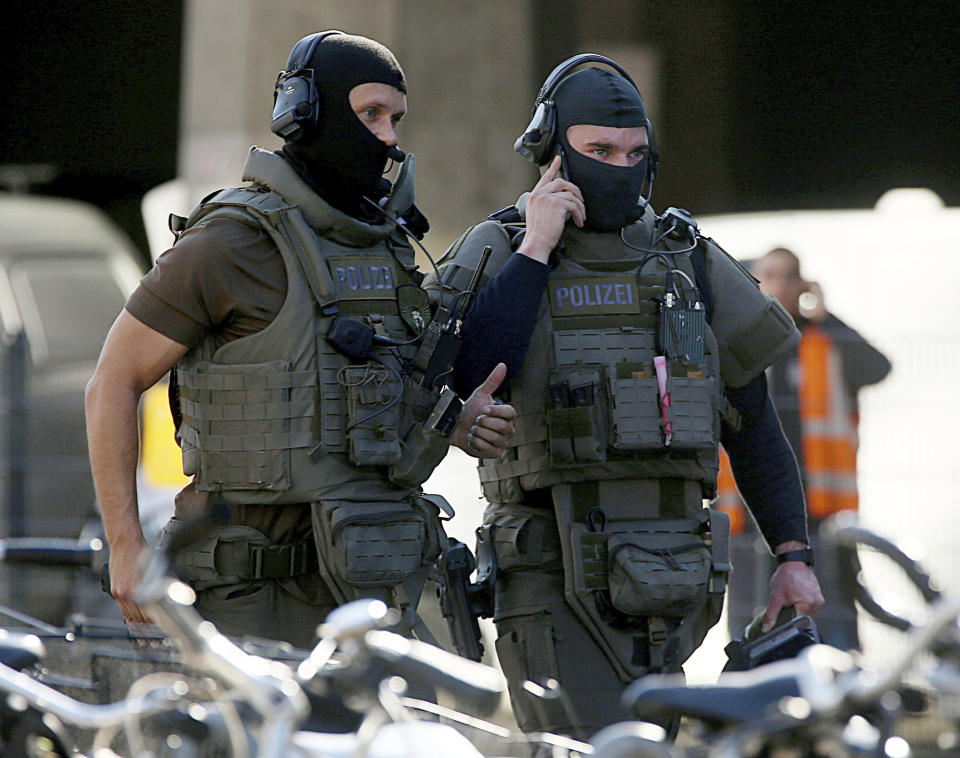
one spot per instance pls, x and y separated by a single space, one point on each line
281 416
589 401
601 413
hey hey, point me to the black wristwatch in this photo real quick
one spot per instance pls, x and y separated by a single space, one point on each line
803 554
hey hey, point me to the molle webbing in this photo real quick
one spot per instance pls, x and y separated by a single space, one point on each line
604 347
599 418
636 321
280 416
649 499
236 419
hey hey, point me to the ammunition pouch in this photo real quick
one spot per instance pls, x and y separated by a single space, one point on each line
576 418
596 413
377 549
648 590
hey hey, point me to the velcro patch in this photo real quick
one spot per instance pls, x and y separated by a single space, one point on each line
361 277
593 295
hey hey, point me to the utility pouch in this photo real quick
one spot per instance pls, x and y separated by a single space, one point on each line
372 393
374 544
666 578
657 573
523 537
575 417
219 558
426 444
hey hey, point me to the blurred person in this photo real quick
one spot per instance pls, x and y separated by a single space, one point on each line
633 345
814 388
291 314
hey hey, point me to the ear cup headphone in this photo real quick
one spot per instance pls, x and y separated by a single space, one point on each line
296 100
538 140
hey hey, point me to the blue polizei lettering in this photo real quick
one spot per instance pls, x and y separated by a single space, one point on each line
359 278
595 294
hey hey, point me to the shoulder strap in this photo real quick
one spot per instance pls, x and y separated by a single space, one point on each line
509 214
284 223
512 222
698 259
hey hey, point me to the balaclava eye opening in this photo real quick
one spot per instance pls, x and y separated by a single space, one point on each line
601 97
341 159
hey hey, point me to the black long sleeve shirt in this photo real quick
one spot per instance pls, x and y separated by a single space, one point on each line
498 328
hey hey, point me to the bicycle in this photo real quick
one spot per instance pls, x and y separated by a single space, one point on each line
227 701
825 702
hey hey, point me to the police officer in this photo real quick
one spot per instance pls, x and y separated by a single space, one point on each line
814 389
308 395
635 346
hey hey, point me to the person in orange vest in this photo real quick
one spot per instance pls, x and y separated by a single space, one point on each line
814 391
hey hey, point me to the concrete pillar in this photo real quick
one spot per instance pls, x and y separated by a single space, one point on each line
470 88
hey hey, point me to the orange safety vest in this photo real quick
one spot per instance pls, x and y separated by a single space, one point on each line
828 428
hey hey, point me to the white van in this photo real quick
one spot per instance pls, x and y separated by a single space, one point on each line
65 272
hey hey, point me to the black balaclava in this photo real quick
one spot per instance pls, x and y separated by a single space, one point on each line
341 159
597 96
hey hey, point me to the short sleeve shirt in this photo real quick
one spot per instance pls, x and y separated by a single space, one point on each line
222 277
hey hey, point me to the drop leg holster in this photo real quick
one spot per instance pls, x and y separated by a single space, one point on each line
647 589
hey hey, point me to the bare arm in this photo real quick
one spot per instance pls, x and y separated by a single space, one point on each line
133 359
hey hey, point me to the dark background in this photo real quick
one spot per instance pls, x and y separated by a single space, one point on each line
826 104
93 88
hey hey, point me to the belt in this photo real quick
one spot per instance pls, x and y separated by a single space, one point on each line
249 561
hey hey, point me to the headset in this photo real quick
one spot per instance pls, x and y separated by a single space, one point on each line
296 100
537 142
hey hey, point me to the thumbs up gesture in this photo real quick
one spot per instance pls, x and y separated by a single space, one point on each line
485 427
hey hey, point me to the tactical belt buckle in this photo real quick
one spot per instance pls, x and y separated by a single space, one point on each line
279 561
656 630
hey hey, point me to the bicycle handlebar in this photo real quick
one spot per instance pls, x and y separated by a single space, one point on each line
51 551
476 685
846 534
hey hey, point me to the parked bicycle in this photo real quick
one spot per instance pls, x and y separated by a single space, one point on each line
359 692
825 703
